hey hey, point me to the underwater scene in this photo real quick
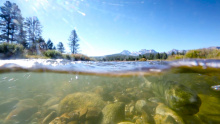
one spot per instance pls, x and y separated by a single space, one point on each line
67 92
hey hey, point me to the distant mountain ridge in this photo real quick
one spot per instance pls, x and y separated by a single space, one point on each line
215 47
136 53
125 52
144 51
175 51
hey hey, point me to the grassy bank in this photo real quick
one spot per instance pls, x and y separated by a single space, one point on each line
17 51
198 54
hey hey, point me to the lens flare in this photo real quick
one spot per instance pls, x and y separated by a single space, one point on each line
71 5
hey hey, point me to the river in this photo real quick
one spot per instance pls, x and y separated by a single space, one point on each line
58 91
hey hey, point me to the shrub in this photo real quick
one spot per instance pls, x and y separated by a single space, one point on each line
179 56
204 53
8 50
76 57
80 57
53 54
175 57
215 54
192 54
143 59
36 57
67 56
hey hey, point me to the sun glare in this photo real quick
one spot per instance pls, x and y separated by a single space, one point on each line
71 5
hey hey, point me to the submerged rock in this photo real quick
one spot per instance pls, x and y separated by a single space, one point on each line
93 115
113 113
139 121
98 90
41 98
57 120
73 122
192 119
210 109
80 100
144 110
71 116
146 118
82 113
51 101
49 117
126 123
23 110
155 100
54 107
182 99
66 118
35 117
8 105
165 115
90 115
48 110
143 106
129 111
122 98
140 105
177 96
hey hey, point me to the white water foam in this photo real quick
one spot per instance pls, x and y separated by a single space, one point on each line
60 65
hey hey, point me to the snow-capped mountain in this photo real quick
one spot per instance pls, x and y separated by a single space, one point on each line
136 53
173 50
215 47
125 52
144 51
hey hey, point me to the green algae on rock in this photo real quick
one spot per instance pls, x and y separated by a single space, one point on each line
113 113
210 109
8 105
165 115
23 111
80 100
177 96
49 117
140 105
182 99
126 123
93 115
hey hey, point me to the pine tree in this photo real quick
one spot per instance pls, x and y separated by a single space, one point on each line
42 44
151 56
33 29
164 56
60 47
10 22
74 46
49 44
21 37
157 56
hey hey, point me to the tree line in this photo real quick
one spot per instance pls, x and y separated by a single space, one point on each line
15 29
144 57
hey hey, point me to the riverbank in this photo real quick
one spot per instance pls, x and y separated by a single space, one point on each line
17 51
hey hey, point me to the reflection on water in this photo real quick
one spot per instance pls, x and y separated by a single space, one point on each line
177 95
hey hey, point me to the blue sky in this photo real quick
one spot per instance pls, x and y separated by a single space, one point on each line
110 26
